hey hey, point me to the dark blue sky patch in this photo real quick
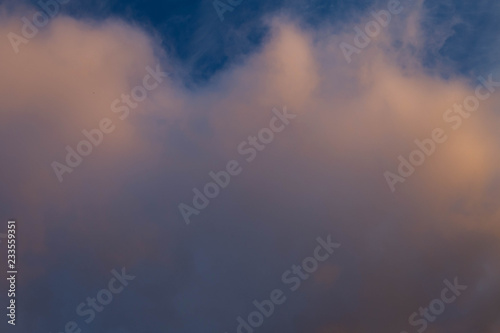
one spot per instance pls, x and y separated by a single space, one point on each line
192 31
471 48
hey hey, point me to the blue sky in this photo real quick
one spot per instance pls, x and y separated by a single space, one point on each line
192 31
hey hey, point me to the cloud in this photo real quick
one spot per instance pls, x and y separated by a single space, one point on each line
324 174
